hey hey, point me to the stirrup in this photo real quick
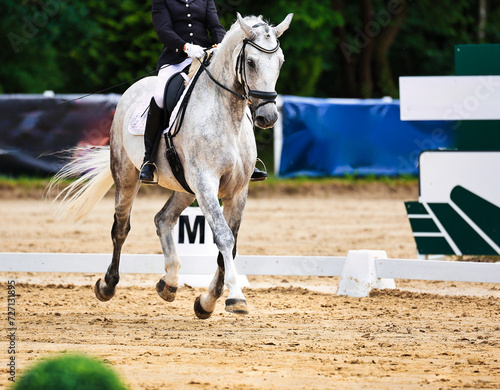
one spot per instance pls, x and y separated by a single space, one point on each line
155 170
264 172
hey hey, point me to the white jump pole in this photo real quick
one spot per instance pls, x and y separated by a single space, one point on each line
359 272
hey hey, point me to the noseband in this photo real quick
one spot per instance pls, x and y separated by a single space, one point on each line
267 97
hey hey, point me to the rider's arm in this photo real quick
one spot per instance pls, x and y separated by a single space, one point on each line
162 22
213 25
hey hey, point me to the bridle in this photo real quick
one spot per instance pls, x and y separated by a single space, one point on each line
240 69
267 97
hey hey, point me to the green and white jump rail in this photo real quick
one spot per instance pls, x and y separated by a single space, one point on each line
458 210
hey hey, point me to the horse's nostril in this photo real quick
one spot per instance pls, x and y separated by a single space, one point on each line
265 122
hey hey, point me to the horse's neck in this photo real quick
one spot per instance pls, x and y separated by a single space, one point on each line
222 70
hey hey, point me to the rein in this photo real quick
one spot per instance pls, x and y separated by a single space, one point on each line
267 97
240 69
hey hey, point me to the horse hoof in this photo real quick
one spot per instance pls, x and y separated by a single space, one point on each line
200 312
166 292
237 306
102 292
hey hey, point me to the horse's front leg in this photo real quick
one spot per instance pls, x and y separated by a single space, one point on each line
225 227
165 221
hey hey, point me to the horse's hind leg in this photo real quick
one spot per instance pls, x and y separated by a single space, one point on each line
226 233
165 221
127 186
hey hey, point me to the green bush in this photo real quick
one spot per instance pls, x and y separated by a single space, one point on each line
69 372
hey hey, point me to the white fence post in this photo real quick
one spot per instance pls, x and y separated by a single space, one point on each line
278 136
359 275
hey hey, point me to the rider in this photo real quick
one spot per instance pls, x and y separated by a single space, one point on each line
182 26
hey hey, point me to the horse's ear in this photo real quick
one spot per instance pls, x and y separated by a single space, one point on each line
283 26
245 27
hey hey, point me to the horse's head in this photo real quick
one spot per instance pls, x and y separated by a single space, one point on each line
258 67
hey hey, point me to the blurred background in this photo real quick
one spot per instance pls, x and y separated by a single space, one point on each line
85 46
334 48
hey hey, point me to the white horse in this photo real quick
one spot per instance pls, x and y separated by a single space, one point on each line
216 147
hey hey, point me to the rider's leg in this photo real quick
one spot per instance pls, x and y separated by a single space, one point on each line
154 123
154 126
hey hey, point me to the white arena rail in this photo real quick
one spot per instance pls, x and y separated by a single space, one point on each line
360 271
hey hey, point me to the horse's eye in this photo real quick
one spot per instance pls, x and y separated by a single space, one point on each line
251 63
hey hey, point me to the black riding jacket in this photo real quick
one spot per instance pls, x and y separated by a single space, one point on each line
178 22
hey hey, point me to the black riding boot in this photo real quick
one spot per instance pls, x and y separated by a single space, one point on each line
257 174
154 125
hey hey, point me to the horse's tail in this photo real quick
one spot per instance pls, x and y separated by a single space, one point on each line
92 167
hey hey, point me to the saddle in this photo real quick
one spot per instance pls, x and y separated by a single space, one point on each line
173 91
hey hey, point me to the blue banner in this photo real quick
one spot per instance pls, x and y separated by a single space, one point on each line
333 137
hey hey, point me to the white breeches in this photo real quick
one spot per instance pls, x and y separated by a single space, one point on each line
164 74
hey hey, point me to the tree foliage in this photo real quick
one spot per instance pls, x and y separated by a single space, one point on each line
334 48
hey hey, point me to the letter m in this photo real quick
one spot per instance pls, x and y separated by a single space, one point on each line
198 222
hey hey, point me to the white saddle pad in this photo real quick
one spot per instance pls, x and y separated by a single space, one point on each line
137 124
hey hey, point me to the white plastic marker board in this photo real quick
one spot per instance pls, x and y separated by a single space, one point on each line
449 98
441 171
193 236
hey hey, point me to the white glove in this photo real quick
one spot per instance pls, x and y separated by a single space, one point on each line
194 51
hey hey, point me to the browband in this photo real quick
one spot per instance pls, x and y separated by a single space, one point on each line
262 49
